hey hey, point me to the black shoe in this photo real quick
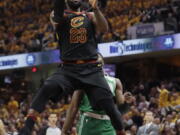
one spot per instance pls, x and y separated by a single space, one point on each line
24 131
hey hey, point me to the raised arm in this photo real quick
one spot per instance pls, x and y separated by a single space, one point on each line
58 12
72 111
98 18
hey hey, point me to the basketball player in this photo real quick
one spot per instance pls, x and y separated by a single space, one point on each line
79 69
94 122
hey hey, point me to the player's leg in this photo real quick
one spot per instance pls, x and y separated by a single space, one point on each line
91 126
53 87
111 110
101 99
38 105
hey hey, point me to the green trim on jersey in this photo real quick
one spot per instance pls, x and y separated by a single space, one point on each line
85 105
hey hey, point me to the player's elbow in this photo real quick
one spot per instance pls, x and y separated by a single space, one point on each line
74 110
120 100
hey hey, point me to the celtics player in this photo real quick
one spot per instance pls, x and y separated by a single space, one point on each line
95 122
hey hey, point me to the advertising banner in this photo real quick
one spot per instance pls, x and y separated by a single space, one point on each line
29 59
145 30
112 49
137 46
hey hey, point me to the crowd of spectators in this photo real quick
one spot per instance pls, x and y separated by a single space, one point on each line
162 99
133 12
25 25
169 14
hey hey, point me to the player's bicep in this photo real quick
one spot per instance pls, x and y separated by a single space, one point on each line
119 92
93 19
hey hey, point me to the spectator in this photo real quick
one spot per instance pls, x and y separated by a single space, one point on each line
167 130
133 130
24 23
2 128
177 126
171 23
163 98
136 116
149 127
166 122
13 104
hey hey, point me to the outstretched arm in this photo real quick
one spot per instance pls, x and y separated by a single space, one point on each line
128 99
98 18
72 111
123 100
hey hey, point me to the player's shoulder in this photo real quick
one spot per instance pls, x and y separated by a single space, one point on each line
110 77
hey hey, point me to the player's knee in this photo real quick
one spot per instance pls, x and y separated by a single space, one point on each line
108 106
49 86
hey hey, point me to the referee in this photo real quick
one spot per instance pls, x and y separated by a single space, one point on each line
52 128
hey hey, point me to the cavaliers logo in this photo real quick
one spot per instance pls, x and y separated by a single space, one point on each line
77 21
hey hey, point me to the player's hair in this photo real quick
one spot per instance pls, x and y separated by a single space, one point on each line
100 58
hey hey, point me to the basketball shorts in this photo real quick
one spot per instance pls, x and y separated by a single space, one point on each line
70 77
91 126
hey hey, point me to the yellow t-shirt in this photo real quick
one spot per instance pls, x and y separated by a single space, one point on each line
175 99
13 105
163 98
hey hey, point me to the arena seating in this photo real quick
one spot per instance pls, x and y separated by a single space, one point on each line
163 101
25 25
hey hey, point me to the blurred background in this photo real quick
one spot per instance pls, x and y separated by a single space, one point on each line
142 48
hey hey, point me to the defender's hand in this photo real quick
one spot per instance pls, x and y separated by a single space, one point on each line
94 3
128 97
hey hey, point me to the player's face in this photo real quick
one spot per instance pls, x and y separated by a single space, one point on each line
74 4
52 118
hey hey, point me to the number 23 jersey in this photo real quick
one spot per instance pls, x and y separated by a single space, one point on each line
76 37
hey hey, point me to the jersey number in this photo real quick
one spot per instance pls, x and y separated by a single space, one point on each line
78 35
